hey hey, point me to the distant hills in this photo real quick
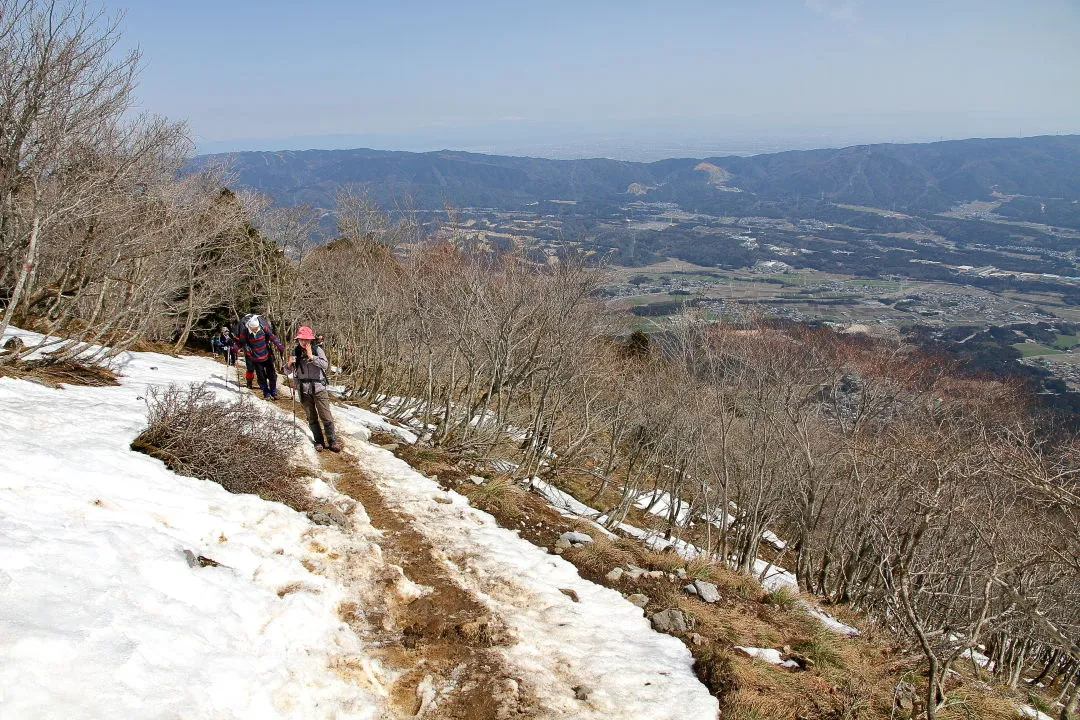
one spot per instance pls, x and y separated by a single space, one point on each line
913 177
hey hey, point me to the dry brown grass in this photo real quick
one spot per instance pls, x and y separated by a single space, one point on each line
969 703
430 461
600 555
499 496
665 560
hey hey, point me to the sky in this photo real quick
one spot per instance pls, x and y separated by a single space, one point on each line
619 77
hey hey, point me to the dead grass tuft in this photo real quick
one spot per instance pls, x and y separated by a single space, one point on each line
824 648
500 496
783 598
701 568
666 560
428 460
968 703
599 556
713 667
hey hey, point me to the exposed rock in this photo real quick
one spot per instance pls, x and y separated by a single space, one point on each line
570 593
681 573
639 599
194 560
671 621
329 516
656 574
443 500
569 539
477 480
698 640
615 575
704 590
634 572
581 692
389 446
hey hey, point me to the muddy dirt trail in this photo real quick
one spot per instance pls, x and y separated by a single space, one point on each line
445 641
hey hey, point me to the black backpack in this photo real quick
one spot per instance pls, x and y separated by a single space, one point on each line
297 354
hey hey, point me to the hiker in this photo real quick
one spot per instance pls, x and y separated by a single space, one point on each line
258 341
224 344
308 365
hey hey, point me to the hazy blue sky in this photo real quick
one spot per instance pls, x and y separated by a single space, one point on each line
239 70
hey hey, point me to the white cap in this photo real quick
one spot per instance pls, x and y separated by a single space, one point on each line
253 323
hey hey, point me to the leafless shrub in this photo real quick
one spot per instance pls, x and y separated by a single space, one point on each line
231 442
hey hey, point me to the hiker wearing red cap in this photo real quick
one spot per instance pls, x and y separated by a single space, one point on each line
309 365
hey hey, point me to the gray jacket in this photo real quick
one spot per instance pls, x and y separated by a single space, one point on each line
310 373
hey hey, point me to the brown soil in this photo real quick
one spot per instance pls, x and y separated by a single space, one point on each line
447 634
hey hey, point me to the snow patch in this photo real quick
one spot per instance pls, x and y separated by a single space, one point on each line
828 620
768 655
1030 712
105 610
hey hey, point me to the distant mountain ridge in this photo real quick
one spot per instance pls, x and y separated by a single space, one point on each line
924 176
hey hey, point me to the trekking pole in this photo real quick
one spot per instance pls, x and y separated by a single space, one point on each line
292 405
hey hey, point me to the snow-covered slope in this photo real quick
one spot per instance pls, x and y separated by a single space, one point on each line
101 614
104 614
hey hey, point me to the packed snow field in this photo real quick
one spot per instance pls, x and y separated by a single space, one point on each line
102 614
106 611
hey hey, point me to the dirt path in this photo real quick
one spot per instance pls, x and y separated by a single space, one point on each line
446 640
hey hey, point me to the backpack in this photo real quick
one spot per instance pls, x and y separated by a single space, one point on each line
263 323
322 373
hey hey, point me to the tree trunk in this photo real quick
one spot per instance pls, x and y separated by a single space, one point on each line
24 273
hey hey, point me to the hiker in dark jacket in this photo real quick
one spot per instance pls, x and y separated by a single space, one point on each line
309 365
224 344
258 342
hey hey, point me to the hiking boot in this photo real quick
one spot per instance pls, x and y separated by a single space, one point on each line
319 447
335 447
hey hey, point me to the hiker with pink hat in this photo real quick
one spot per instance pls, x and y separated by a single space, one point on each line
308 365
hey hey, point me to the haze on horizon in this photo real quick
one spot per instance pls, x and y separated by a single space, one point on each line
621 79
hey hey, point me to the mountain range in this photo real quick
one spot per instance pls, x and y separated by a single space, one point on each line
911 177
